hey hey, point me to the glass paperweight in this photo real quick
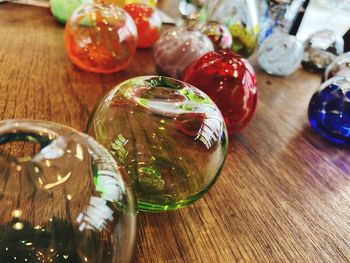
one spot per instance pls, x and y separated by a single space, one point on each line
329 110
280 54
219 34
241 18
169 136
68 202
320 49
177 48
340 66
100 38
230 82
147 21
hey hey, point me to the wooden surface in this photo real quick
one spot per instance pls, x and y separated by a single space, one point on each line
283 195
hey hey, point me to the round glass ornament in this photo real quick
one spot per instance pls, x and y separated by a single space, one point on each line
219 34
329 110
241 18
177 48
148 23
280 54
170 138
230 82
100 38
66 203
320 49
340 66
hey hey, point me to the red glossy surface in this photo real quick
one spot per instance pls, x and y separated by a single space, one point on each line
147 21
230 81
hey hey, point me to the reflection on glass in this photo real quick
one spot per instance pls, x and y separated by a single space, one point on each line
67 203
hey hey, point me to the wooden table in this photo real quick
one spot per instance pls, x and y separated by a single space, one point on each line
283 195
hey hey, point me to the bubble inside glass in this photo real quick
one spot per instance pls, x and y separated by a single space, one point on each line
329 109
100 38
169 136
66 203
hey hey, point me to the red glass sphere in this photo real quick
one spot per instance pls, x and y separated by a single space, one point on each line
230 82
147 21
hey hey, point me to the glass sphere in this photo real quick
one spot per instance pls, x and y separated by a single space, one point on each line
66 203
169 136
147 21
320 49
177 48
339 67
329 109
122 3
241 18
219 34
230 82
100 38
280 54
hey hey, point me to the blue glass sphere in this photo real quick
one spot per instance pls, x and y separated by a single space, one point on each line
329 109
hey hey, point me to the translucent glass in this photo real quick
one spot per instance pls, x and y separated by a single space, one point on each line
280 54
339 67
170 138
63 9
218 34
147 21
329 109
177 48
66 203
320 49
241 17
100 38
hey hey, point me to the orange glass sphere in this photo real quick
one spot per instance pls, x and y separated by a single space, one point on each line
147 21
100 38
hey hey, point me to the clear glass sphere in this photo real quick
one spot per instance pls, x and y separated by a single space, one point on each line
68 202
170 138
340 66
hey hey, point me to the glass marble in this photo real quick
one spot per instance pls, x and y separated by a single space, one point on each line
219 34
170 138
230 81
177 48
190 9
329 110
148 23
100 38
241 17
68 202
280 54
339 67
320 49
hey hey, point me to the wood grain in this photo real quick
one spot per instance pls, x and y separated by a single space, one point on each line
283 195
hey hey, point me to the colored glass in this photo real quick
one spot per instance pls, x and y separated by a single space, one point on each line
230 81
329 110
147 22
177 48
339 67
66 203
241 18
320 49
169 136
63 9
280 54
218 34
100 38
122 3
